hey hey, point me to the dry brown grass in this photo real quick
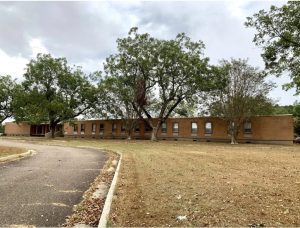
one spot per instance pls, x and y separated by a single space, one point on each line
213 184
6 151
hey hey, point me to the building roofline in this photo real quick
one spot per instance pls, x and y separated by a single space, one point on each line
192 117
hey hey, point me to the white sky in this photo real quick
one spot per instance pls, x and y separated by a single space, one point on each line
86 32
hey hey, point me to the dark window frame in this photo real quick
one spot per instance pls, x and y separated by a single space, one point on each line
94 124
192 129
114 127
137 128
75 128
173 129
101 127
164 130
147 128
123 128
82 127
208 130
247 130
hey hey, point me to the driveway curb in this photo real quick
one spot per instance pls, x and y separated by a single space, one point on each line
15 157
107 205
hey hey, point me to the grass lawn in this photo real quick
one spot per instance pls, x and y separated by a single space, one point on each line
6 151
209 184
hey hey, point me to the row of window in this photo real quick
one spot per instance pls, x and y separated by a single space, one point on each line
82 127
208 128
194 128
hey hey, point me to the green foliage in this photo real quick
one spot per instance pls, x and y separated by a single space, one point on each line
159 74
290 109
53 92
285 109
295 110
244 95
297 126
185 109
278 32
2 129
7 90
118 101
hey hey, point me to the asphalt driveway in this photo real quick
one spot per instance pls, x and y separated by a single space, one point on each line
41 190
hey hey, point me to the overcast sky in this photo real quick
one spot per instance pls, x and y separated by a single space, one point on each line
85 32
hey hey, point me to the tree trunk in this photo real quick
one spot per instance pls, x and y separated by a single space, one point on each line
52 129
129 132
233 139
154 133
234 134
4 118
233 129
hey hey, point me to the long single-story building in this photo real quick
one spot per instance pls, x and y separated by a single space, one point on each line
259 129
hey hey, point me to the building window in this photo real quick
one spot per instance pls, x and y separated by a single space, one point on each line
123 128
194 127
175 128
82 128
137 128
101 129
147 128
75 127
208 128
164 127
93 128
247 128
114 127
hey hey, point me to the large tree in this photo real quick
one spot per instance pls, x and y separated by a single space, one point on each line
278 33
7 91
244 96
118 102
53 92
162 73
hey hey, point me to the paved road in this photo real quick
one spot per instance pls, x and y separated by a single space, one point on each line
41 190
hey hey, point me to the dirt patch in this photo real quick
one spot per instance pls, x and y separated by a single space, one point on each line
89 210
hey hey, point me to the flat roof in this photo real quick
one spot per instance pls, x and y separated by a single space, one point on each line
192 117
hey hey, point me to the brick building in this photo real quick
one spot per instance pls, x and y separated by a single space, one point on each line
26 129
260 129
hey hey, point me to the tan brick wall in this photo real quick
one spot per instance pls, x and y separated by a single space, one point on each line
13 128
264 129
69 128
273 128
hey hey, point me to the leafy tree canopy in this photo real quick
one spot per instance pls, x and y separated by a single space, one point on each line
118 102
7 90
53 92
244 96
160 74
278 32
283 109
